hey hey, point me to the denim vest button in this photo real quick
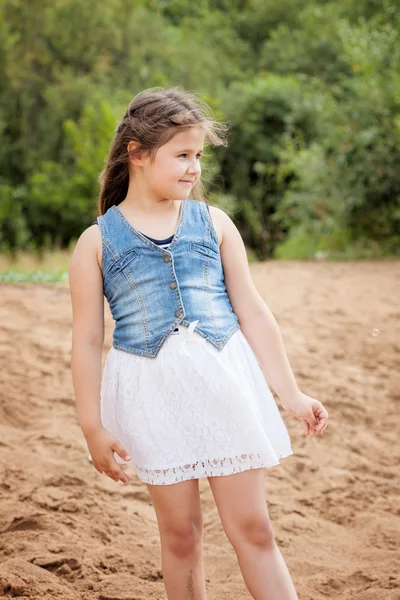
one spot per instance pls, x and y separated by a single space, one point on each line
172 285
167 258
178 313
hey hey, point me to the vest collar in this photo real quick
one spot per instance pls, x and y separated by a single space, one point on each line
144 239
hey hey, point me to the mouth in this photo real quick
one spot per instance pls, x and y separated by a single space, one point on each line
186 182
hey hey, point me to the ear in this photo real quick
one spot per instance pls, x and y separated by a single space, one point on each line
135 159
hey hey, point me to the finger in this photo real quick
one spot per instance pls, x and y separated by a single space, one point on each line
315 426
118 474
306 427
321 429
312 422
321 416
321 412
120 450
318 428
118 470
122 476
322 422
112 475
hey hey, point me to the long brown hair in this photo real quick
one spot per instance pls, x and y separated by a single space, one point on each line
152 118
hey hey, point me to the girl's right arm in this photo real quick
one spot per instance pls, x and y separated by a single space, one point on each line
86 289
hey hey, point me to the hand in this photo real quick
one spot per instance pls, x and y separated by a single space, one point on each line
101 445
310 411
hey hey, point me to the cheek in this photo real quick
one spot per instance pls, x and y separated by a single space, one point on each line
170 172
176 168
170 169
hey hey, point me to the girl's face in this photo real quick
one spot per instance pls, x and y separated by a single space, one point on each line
176 163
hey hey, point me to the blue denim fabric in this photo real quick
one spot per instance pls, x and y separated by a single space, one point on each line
150 290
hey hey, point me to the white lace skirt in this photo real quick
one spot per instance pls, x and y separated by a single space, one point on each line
193 411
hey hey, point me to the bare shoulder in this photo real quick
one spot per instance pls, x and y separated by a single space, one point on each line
242 292
219 219
88 246
222 222
86 288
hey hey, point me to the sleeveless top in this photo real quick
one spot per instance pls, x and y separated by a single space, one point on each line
151 289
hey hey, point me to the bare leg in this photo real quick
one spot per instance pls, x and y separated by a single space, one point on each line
241 504
183 571
265 572
180 523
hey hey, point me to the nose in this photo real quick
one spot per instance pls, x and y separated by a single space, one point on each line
195 167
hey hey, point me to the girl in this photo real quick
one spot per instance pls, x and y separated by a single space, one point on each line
183 390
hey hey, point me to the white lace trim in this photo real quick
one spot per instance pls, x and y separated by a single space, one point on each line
210 468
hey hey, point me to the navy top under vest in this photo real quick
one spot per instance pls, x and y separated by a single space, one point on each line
158 242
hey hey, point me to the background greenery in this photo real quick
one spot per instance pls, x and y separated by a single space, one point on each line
311 91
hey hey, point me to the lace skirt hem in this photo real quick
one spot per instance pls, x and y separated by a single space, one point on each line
210 468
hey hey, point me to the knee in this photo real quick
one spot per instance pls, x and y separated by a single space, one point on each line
182 539
255 530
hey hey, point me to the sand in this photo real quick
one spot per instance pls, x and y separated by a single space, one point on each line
68 532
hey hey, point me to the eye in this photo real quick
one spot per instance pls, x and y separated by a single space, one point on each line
185 154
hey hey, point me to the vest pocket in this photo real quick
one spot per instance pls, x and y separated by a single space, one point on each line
203 249
121 263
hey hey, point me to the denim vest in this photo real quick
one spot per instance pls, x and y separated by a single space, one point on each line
150 290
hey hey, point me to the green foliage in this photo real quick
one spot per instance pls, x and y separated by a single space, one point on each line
311 90
265 112
347 183
65 194
13 225
16 276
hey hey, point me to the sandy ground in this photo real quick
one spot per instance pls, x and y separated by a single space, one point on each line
68 532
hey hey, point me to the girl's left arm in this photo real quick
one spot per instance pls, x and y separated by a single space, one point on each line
261 329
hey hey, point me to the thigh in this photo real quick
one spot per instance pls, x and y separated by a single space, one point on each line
241 503
177 506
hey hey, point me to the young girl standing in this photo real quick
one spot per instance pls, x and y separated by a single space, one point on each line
183 390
